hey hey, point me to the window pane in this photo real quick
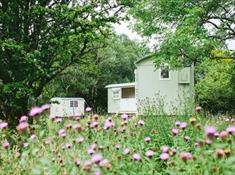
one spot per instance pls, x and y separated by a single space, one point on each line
75 104
71 103
165 72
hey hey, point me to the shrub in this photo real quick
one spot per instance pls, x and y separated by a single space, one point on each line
216 90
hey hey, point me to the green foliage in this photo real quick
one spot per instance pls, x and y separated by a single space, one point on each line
40 39
216 90
112 62
189 29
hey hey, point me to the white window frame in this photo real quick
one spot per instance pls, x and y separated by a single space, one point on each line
160 71
114 95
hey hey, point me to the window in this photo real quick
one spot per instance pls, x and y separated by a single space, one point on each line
165 72
116 93
73 104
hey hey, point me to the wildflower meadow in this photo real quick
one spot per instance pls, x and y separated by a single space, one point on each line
118 144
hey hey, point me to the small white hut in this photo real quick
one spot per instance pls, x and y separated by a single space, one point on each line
67 107
121 98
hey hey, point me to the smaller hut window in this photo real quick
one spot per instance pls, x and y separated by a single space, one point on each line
165 72
73 104
116 93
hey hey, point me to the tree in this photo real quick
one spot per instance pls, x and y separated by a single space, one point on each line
39 39
112 62
216 88
190 29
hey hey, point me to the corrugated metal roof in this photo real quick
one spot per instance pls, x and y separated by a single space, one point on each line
120 85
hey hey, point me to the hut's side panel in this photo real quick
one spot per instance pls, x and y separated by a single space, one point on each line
56 109
114 102
159 94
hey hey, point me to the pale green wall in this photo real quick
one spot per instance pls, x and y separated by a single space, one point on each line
148 84
113 104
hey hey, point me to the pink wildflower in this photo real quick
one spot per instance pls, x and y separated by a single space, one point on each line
126 151
96 158
210 131
173 150
87 165
3 125
97 173
149 153
185 156
23 119
90 151
174 131
62 133
147 139
33 136
58 120
223 135
108 124
208 142
141 122
136 157
77 127
80 140
183 125
164 156
35 111
68 126
117 146
88 109
77 162
45 107
198 109
124 117
177 123
165 149
5 144
22 127
25 145
93 146
94 125
231 129
186 138
219 153
104 162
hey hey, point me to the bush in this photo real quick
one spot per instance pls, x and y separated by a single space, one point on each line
216 90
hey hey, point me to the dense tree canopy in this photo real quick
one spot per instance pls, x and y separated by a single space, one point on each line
113 62
189 29
39 39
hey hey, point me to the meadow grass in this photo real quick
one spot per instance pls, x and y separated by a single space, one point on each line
42 150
